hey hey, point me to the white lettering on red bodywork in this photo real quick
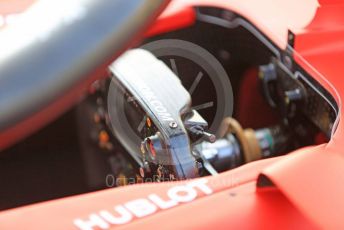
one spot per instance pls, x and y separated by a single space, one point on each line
141 207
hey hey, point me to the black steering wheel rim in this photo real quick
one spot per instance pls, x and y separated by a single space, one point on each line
45 73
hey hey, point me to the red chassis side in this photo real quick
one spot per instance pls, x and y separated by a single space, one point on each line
306 189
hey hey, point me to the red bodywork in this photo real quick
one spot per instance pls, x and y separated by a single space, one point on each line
307 185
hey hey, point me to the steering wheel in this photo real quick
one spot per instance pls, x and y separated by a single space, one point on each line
55 50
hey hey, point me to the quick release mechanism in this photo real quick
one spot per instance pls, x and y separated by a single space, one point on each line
238 146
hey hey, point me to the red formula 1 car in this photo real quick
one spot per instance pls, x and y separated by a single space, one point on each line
189 114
